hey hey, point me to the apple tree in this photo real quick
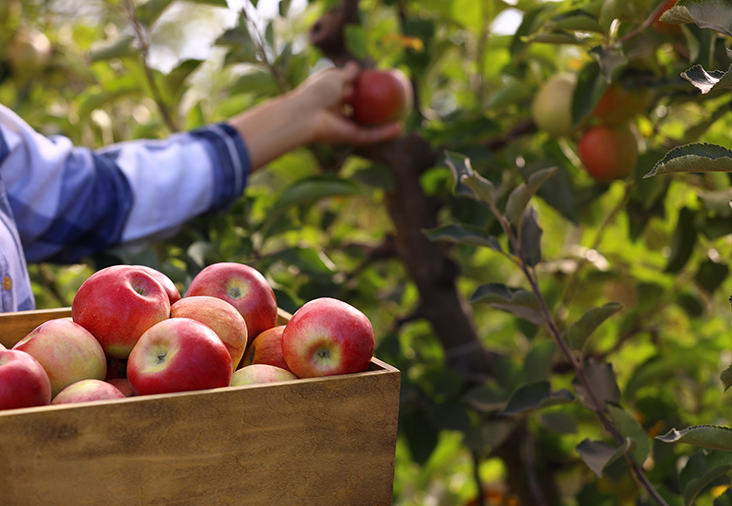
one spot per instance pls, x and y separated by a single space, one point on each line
546 265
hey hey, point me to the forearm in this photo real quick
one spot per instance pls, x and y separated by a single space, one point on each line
274 128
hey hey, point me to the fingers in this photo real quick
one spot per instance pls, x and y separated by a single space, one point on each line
362 136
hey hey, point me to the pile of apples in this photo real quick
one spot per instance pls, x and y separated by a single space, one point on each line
131 333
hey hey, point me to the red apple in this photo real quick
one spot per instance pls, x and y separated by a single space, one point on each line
88 390
67 351
608 153
326 337
260 373
165 281
178 355
380 96
122 384
662 27
23 382
222 317
117 305
266 348
618 105
243 287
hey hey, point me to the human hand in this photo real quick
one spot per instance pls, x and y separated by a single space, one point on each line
324 98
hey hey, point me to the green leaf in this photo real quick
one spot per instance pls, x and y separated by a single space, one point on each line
468 13
530 238
558 37
421 435
516 301
711 275
708 81
486 397
611 10
656 369
726 377
540 360
702 470
590 87
576 20
519 198
611 61
711 14
284 7
308 260
714 437
212 3
151 10
533 396
120 48
448 416
177 77
530 23
696 157
598 454
602 380
463 234
682 242
580 331
309 190
629 428
242 48
356 41
468 182
258 83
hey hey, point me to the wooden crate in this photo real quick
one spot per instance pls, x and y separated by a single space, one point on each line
319 441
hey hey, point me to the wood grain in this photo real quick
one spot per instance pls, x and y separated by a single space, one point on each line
319 441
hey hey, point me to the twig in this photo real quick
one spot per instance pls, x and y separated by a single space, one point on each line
651 17
144 49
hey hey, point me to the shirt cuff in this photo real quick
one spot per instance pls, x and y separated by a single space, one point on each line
230 161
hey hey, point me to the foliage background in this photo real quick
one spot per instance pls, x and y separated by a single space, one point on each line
315 221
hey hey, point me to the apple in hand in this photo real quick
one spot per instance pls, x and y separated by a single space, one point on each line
380 96
221 316
23 382
243 287
327 336
86 391
67 351
117 305
178 355
266 348
260 373
608 153
165 281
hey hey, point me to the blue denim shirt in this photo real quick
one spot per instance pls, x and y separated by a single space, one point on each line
59 202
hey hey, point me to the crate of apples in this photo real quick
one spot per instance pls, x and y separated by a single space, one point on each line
208 397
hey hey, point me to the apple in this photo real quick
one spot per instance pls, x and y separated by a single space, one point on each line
165 281
260 373
117 305
88 390
618 104
551 107
221 316
29 53
23 382
608 153
243 287
327 336
122 384
666 28
266 348
67 351
178 355
380 96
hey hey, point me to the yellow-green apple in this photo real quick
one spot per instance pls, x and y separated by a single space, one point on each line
87 390
29 53
23 382
67 351
380 96
122 384
608 153
551 108
178 355
167 283
266 348
327 336
222 317
260 373
243 287
117 305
